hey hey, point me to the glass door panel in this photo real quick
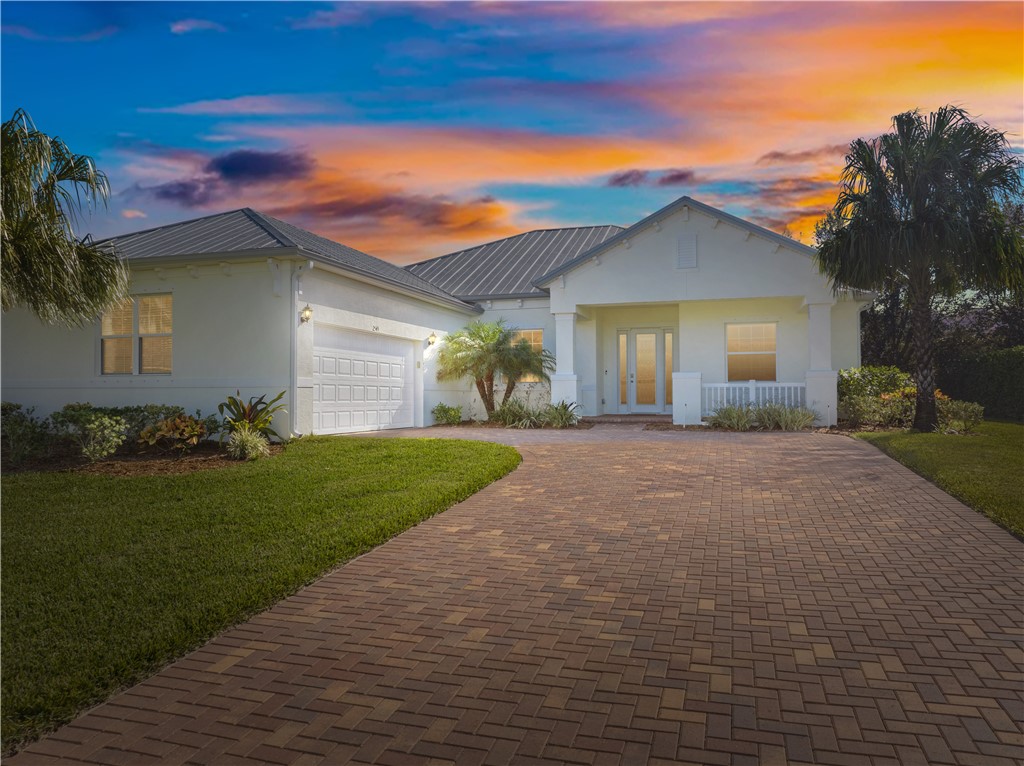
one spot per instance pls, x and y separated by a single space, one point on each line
668 367
646 369
623 371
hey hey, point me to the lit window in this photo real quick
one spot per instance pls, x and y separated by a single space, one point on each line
750 350
536 341
136 336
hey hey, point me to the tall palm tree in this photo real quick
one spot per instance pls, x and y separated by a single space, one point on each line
45 266
922 208
486 352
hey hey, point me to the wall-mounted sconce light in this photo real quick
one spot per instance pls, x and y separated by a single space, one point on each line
432 339
306 314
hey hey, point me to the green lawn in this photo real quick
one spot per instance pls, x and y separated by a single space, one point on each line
984 471
106 579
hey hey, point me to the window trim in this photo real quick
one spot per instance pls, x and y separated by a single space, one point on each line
729 353
136 339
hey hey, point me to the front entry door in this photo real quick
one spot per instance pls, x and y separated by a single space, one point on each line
642 370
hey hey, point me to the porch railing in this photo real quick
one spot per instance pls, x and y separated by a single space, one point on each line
715 395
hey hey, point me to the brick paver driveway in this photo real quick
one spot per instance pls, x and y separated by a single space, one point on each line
623 597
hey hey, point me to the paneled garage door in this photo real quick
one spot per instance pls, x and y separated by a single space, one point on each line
361 381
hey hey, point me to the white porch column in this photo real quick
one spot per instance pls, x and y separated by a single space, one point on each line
565 383
686 398
821 379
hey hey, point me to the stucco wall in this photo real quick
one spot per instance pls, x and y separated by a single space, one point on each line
345 302
731 263
229 332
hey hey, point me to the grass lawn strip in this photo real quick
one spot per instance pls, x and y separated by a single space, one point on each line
106 578
984 470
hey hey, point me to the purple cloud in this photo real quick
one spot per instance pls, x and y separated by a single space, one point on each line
627 178
807 155
196 25
225 174
250 166
677 177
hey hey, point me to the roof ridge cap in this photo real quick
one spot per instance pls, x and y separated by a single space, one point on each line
266 223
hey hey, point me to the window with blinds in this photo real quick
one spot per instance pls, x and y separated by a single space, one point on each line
536 340
750 351
136 336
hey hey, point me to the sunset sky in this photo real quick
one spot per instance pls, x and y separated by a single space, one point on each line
410 130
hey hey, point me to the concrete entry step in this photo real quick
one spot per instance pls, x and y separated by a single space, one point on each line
638 419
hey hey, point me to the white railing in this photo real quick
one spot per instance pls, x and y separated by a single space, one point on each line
715 395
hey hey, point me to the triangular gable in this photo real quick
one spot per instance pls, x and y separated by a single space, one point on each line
669 209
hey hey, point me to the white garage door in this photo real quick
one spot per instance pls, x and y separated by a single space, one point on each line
361 381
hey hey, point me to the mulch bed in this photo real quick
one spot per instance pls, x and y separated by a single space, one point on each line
204 457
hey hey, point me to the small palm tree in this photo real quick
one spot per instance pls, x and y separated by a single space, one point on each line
489 351
63 279
921 208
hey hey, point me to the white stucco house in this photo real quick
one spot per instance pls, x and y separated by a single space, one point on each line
679 313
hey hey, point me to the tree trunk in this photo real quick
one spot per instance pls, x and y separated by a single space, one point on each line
481 388
925 415
510 386
489 390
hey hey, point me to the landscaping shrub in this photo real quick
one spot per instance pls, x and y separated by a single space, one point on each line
872 381
733 418
139 417
956 417
516 413
993 379
258 413
180 433
446 415
561 415
24 436
246 443
778 417
95 434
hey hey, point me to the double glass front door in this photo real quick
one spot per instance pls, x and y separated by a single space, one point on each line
645 370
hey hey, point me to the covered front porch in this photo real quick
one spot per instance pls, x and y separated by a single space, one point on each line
689 358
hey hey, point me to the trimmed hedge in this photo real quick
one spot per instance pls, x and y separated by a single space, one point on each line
994 379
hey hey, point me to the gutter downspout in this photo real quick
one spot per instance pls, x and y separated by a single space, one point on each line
293 370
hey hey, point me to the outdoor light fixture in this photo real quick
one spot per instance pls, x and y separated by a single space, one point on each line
306 314
432 339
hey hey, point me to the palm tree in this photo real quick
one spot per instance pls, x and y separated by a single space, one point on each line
45 266
921 208
487 351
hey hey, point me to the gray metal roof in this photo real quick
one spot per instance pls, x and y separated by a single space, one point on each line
230 232
623 234
507 267
247 230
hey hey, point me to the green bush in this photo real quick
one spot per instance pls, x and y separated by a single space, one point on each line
516 413
447 415
561 415
872 381
246 443
23 435
258 413
994 379
139 417
889 411
180 433
732 418
778 417
957 417
95 434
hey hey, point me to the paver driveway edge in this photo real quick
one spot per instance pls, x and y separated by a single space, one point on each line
626 597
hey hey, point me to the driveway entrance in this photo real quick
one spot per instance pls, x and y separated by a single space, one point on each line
624 597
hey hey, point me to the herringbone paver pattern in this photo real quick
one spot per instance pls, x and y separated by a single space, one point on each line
623 598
